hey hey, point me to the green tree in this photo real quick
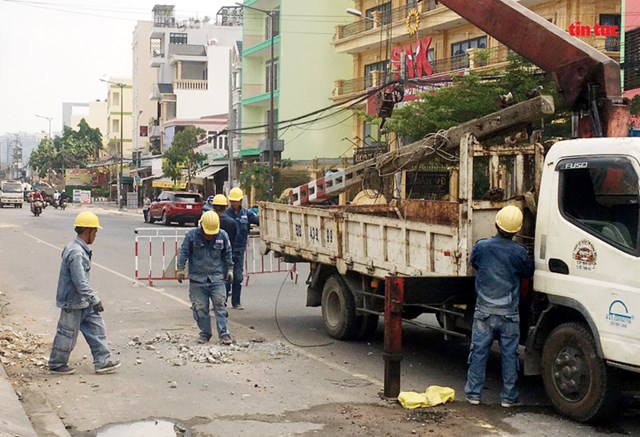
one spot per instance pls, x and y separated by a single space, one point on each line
256 176
43 158
182 154
78 147
469 97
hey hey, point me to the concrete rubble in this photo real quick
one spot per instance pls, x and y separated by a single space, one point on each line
180 349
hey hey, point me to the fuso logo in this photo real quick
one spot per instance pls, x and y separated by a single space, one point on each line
579 29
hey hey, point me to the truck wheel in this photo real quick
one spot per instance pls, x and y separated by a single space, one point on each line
165 219
339 309
575 378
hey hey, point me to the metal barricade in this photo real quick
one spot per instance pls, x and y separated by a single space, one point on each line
156 256
255 263
150 260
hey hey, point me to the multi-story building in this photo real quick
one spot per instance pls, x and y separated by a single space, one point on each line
438 43
181 70
305 66
119 120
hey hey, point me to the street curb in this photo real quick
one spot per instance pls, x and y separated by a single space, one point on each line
13 418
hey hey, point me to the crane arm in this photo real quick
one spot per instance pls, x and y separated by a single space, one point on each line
587 79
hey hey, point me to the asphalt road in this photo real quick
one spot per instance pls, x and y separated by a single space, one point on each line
263 382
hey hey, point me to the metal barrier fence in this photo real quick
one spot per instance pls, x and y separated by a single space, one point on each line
156 256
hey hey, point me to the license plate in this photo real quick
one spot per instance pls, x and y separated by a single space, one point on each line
189 206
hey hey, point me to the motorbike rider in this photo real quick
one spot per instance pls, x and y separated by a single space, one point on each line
36 196
208 205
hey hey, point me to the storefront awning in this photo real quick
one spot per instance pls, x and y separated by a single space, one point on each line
153 176
209 171
168 183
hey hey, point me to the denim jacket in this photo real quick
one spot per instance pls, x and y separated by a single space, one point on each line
243 218
74 291
500 263
209 260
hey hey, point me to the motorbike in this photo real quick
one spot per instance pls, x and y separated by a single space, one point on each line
36 207
59 203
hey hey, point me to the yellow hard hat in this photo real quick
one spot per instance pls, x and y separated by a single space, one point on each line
87 219
210 223
220 199
509 219
236 194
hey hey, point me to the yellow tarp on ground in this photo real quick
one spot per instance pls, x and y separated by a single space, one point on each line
433 395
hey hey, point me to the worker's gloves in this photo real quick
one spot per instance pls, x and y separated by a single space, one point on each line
180 275
98 308
230 276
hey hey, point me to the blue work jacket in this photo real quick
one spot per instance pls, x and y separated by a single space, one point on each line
500 264
243 218
74 291
209 260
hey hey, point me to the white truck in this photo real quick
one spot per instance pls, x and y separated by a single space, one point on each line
581 205
11 193
578 322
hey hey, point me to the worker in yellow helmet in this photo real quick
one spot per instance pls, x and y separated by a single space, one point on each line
79 304
244 218
500 263
208 251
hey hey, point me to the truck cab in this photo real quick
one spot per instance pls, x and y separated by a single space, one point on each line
11 193
586 279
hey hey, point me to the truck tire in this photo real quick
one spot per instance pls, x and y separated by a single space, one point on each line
577 381
339 309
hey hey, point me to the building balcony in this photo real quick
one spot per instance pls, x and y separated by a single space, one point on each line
363 35
191 85
157 59
154 132
476 60
257 94
443 68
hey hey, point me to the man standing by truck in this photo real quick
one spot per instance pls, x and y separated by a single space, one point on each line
244 218
500 263
208 251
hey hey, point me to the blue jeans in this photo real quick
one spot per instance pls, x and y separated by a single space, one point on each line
238 269
200 293
486 328
84 320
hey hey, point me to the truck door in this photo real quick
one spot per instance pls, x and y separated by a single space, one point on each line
592 249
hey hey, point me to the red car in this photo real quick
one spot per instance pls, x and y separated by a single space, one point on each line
176 206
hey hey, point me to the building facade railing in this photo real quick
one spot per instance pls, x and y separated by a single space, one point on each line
384 17
195 85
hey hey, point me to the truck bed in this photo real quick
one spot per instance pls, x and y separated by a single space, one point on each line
415 237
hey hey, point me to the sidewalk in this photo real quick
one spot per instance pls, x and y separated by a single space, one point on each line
13 419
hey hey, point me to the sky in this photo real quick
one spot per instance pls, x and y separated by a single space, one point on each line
56 51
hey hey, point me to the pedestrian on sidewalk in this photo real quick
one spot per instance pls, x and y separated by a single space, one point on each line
79 304
500 263
146 204
244 219
208 251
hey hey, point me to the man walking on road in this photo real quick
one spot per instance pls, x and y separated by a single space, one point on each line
208 251
500 263
244 218
80 307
